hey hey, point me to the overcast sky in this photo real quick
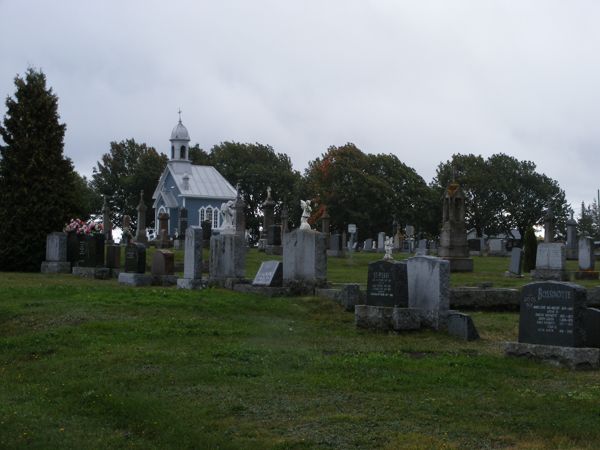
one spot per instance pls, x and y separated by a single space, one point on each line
420 79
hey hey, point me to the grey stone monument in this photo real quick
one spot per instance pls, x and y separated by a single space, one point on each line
192 260
140 236
381 242
572 244
106 222
587 260
162 269
227 258
56 254
453 237
550 262
516 262
304 258
429 289
239 219
549 226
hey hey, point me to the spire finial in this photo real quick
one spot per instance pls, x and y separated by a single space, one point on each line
179 112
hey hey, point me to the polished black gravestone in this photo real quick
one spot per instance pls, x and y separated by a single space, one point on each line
552 313
135 258
91 251
387 284
274 235
270 274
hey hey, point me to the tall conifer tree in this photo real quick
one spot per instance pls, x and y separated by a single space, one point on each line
37 183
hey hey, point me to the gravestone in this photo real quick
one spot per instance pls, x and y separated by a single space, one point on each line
381 242
140 235
587 260
183 221
335 245
421 247
135 258
73 248
461 326
56 254
552 313
135 266
113 257
227 258
192 259
274 240
453 237
163 267
270 274
368 245
474 246
91 251
163 240
496 247
516 262
429 289
206 233
304 258
572 244
387 284
550 262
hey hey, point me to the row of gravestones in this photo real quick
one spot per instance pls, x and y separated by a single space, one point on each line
409 295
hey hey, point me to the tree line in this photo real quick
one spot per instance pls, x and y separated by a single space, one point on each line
40 190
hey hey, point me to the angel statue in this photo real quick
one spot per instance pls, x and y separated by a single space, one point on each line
389 246
227 212
306 210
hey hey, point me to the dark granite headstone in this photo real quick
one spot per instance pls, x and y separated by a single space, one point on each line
270 274
515 261
592 327
274 235
552 313
135 258
113 256
72 247
474 245
91 251
163 263
335 242
387 284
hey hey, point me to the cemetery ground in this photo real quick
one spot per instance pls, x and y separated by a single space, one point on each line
92 364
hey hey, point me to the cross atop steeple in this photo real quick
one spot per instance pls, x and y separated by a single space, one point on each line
179 112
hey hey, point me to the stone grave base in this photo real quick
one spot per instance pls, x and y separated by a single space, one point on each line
189 283
348 296
583 358
460 264
550 274
135 279
99 273
274 250
484 298
509 274
262 290
587 275
461 326
164 280
386 318
56 267
227 283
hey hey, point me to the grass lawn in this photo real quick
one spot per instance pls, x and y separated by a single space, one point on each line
91 364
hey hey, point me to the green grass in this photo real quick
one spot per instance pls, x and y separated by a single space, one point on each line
91 364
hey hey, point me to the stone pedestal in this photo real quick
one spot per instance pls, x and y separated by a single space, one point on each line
304 257
453 237
192 264
56 254
227 258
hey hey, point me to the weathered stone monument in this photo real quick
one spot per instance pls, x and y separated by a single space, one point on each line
113 258
550 262
549 226
134 273
239 219
268 209
304 255
587 260
56 254
126 236
453 238
516 262
556 326
381 242
192 260
140 236
162 239
227 251
106 222
162 269
429 289
572 244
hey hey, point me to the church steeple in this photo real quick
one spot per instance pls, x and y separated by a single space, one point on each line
180 142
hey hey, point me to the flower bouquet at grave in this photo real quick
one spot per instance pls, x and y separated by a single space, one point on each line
75 225
90 228
93 228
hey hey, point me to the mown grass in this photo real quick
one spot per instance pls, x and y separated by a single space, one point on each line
91 364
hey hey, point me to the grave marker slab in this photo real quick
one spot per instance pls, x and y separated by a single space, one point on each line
387 284
516 261
552 313
269 274
550 262
135 258
429 288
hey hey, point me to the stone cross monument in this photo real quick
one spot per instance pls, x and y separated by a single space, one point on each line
453 238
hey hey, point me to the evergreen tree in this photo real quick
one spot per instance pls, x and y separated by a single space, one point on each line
37 182
529 250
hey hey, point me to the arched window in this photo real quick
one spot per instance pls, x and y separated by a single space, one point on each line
172 152
216 215
209 214
202 215
182 152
